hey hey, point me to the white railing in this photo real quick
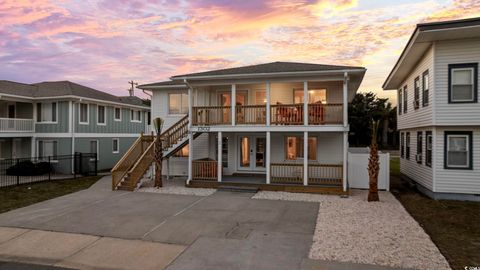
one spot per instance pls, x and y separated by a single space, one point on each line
16 125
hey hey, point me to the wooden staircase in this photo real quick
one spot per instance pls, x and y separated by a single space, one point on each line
131 168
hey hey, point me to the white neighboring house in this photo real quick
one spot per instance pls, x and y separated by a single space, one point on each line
437 78
255 124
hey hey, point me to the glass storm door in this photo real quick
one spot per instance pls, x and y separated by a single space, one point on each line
252 153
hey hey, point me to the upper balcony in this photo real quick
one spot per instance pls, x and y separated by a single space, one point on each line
16 117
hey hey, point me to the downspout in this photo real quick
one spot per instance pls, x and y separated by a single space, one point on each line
72 133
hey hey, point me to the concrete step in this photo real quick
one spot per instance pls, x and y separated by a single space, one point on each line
245 189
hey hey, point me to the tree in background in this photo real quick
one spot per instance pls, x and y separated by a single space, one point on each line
364 108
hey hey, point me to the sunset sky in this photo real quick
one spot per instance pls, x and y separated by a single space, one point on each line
104 44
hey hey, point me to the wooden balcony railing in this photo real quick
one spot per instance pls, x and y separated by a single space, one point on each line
211 115
318 174
204 170
16 125
321 114
251 114
286 114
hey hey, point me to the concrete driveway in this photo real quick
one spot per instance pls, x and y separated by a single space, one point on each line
222 231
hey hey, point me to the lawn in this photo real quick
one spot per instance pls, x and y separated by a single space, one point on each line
454 226
24 195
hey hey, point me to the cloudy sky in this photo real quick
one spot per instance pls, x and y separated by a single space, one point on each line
104 44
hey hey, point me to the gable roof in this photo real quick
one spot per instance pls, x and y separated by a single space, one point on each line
420 41
273 68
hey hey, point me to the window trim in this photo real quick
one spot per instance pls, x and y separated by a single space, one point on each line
400 101
405 99
407 145
80 114
104 115
416 93
469 136
472 66
427 163
132 113
425 88
113 148
402 144
168 103
114 115
41 105
419 147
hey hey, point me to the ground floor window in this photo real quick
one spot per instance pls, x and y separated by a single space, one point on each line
47 149
294 148
115 146
402 145
458 150
224 150
419 156
407 145
183 152
428 146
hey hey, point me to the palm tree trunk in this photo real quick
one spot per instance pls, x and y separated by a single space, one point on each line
373 166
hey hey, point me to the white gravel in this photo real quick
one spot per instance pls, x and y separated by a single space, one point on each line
354 230
175 186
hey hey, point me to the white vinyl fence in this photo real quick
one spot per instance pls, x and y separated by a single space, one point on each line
358 172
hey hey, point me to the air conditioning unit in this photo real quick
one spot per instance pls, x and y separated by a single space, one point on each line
418 157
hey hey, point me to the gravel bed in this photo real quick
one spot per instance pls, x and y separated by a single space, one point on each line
354 230
175 186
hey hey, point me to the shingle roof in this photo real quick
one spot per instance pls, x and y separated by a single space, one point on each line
160 84
274 67
62 88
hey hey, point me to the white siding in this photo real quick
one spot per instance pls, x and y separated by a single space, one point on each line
423 115
457 181
454 52
159 107
420 173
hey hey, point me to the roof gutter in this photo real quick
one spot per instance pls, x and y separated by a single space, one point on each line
153 87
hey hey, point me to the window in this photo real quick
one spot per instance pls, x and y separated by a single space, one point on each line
47 112
101 115
117 114
224 151
183 152
419 156
260 97
402 145
400 101
425 86
428 146
405 99
416 93
314 96
178 103
47 149
83 115
94 148
407 145
135 116
462 83
458 150
115 146
294 148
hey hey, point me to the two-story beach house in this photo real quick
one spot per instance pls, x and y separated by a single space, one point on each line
52 119
436 78
277 126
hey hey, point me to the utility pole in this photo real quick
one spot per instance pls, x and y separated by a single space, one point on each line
132 87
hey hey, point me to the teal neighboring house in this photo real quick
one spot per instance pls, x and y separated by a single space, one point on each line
51 119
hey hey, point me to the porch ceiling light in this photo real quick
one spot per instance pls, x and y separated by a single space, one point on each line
158 124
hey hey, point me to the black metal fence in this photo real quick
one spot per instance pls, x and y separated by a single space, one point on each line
29 170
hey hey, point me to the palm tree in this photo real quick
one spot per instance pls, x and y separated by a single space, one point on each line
373 165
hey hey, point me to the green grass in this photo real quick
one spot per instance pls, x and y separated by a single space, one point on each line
454 226
24 195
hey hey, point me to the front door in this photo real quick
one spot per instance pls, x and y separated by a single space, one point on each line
252 153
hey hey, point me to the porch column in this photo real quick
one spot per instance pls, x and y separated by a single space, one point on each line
345 159
233 102
190 107
305 103
219 157
190 157
345 99
267 159
32 147
268 115
305 158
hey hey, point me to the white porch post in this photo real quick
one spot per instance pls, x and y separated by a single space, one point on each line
305 158
305 103
345 100
219 156
32 147
345 132
345 159
268 106
267 160
233 103
190 157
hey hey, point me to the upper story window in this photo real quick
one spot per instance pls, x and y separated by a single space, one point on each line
260 97
314 96
294 148
425 88
101 115
416 93
177 103
83 113
135 115
458 150
47 112
462 83
400 101
405 99
117 114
